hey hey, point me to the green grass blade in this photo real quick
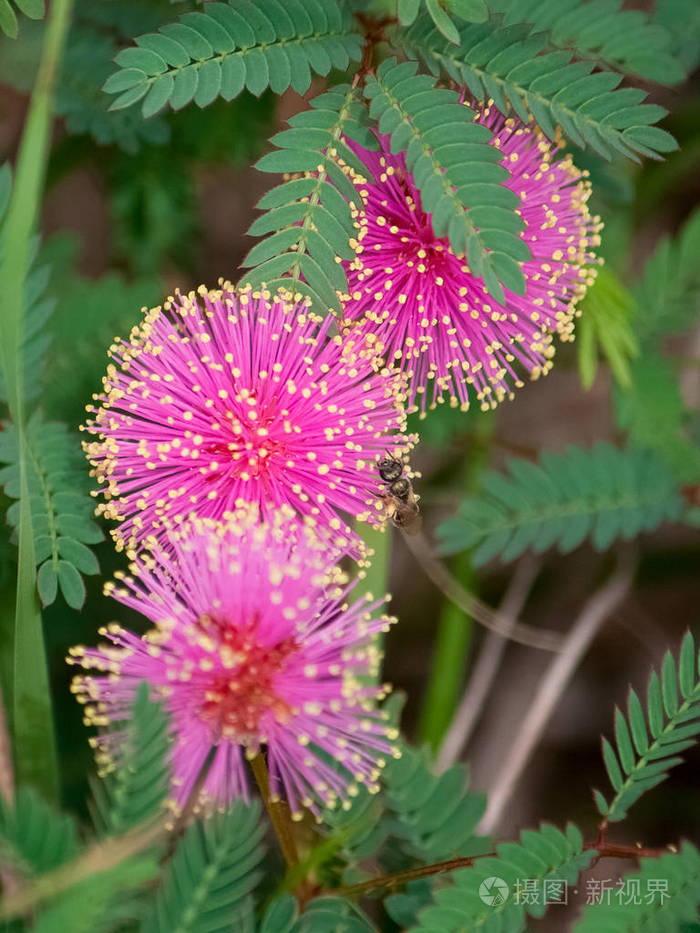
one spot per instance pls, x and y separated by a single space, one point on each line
35 752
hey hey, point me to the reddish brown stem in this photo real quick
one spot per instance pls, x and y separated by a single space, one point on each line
403 877
373 30
604 849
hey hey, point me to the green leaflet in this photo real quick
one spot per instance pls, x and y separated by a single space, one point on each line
60 504
483 897
442 20
138 786
681 18
659 898
648 746
224 49
522 72
433 816
421 817
310 218
418 115
35 837
213 870
328 913
668 293
38 307
471 11
33 9
607 318
652 411
79 97
602 494
281 915
32 719
621 39
441 13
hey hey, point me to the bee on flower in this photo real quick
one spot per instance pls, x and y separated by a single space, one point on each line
228 398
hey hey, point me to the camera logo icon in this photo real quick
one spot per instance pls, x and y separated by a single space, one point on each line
494 891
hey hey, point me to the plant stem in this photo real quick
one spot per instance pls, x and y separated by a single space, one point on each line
32 724
98 858
486 667
400 878
277 810
552 685
541 638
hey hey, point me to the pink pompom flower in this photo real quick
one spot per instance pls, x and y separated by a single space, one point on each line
226 398
433 317
253 646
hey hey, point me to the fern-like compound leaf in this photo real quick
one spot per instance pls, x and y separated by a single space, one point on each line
85 65
214 869
607 315
668 293
681 18
33 9
309 218
432 817
485 897
222 49
80 98
455 169
521 72
442 13
620 39
136 785
661 897
38 307
281 915
35 838
648 743
327 913
60 503
421 818
652 411
602 494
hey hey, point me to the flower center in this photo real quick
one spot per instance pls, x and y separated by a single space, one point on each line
242 689
249 447
410 233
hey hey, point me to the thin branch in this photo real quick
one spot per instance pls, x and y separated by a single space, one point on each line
277 810
97 859
373 30
400 878
555 680
468 603
486 667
